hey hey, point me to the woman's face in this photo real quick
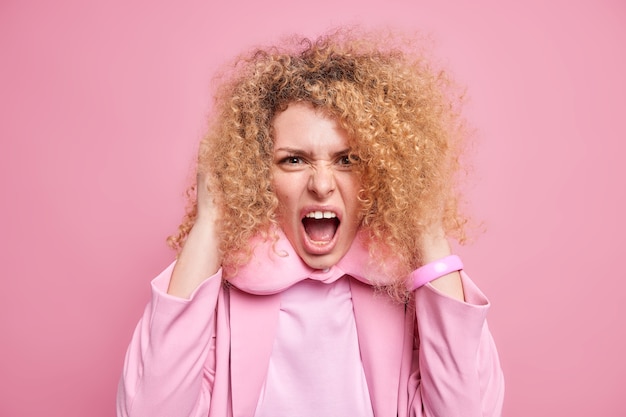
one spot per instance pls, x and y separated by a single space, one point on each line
316 186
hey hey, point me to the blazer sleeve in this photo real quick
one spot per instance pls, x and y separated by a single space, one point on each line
459 371
170 364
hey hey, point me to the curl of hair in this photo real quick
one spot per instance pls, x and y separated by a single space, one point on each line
401 113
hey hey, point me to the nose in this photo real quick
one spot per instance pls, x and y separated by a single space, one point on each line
322 181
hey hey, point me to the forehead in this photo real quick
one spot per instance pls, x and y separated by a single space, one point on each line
305 128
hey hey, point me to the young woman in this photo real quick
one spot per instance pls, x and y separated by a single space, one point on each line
314 276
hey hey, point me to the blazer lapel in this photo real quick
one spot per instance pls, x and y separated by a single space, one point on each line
253 322
380 324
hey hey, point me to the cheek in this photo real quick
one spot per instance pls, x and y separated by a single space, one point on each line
285 193
350 192
286 211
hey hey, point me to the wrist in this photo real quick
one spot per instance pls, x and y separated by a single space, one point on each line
434 248
434 270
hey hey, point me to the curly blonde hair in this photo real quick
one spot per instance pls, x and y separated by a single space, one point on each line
402 117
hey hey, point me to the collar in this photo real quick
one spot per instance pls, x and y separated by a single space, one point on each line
275 266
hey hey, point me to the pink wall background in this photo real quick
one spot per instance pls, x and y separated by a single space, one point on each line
101 107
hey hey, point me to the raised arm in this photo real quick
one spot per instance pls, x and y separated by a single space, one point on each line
199 257
170 364
458 371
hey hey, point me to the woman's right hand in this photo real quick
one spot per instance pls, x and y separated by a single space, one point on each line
199 258
207 199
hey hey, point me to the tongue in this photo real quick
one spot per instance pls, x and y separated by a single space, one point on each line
320 230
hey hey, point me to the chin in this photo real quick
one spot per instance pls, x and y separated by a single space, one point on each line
322 261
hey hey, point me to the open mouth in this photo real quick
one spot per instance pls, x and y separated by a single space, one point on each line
320 226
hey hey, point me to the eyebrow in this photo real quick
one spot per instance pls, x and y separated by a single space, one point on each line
300 152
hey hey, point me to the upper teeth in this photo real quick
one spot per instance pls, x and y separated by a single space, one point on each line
321 215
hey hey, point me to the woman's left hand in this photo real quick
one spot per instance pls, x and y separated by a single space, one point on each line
435 246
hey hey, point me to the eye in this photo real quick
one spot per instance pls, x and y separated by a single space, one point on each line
347 160
291 160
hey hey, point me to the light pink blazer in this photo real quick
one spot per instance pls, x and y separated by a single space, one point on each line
208 356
